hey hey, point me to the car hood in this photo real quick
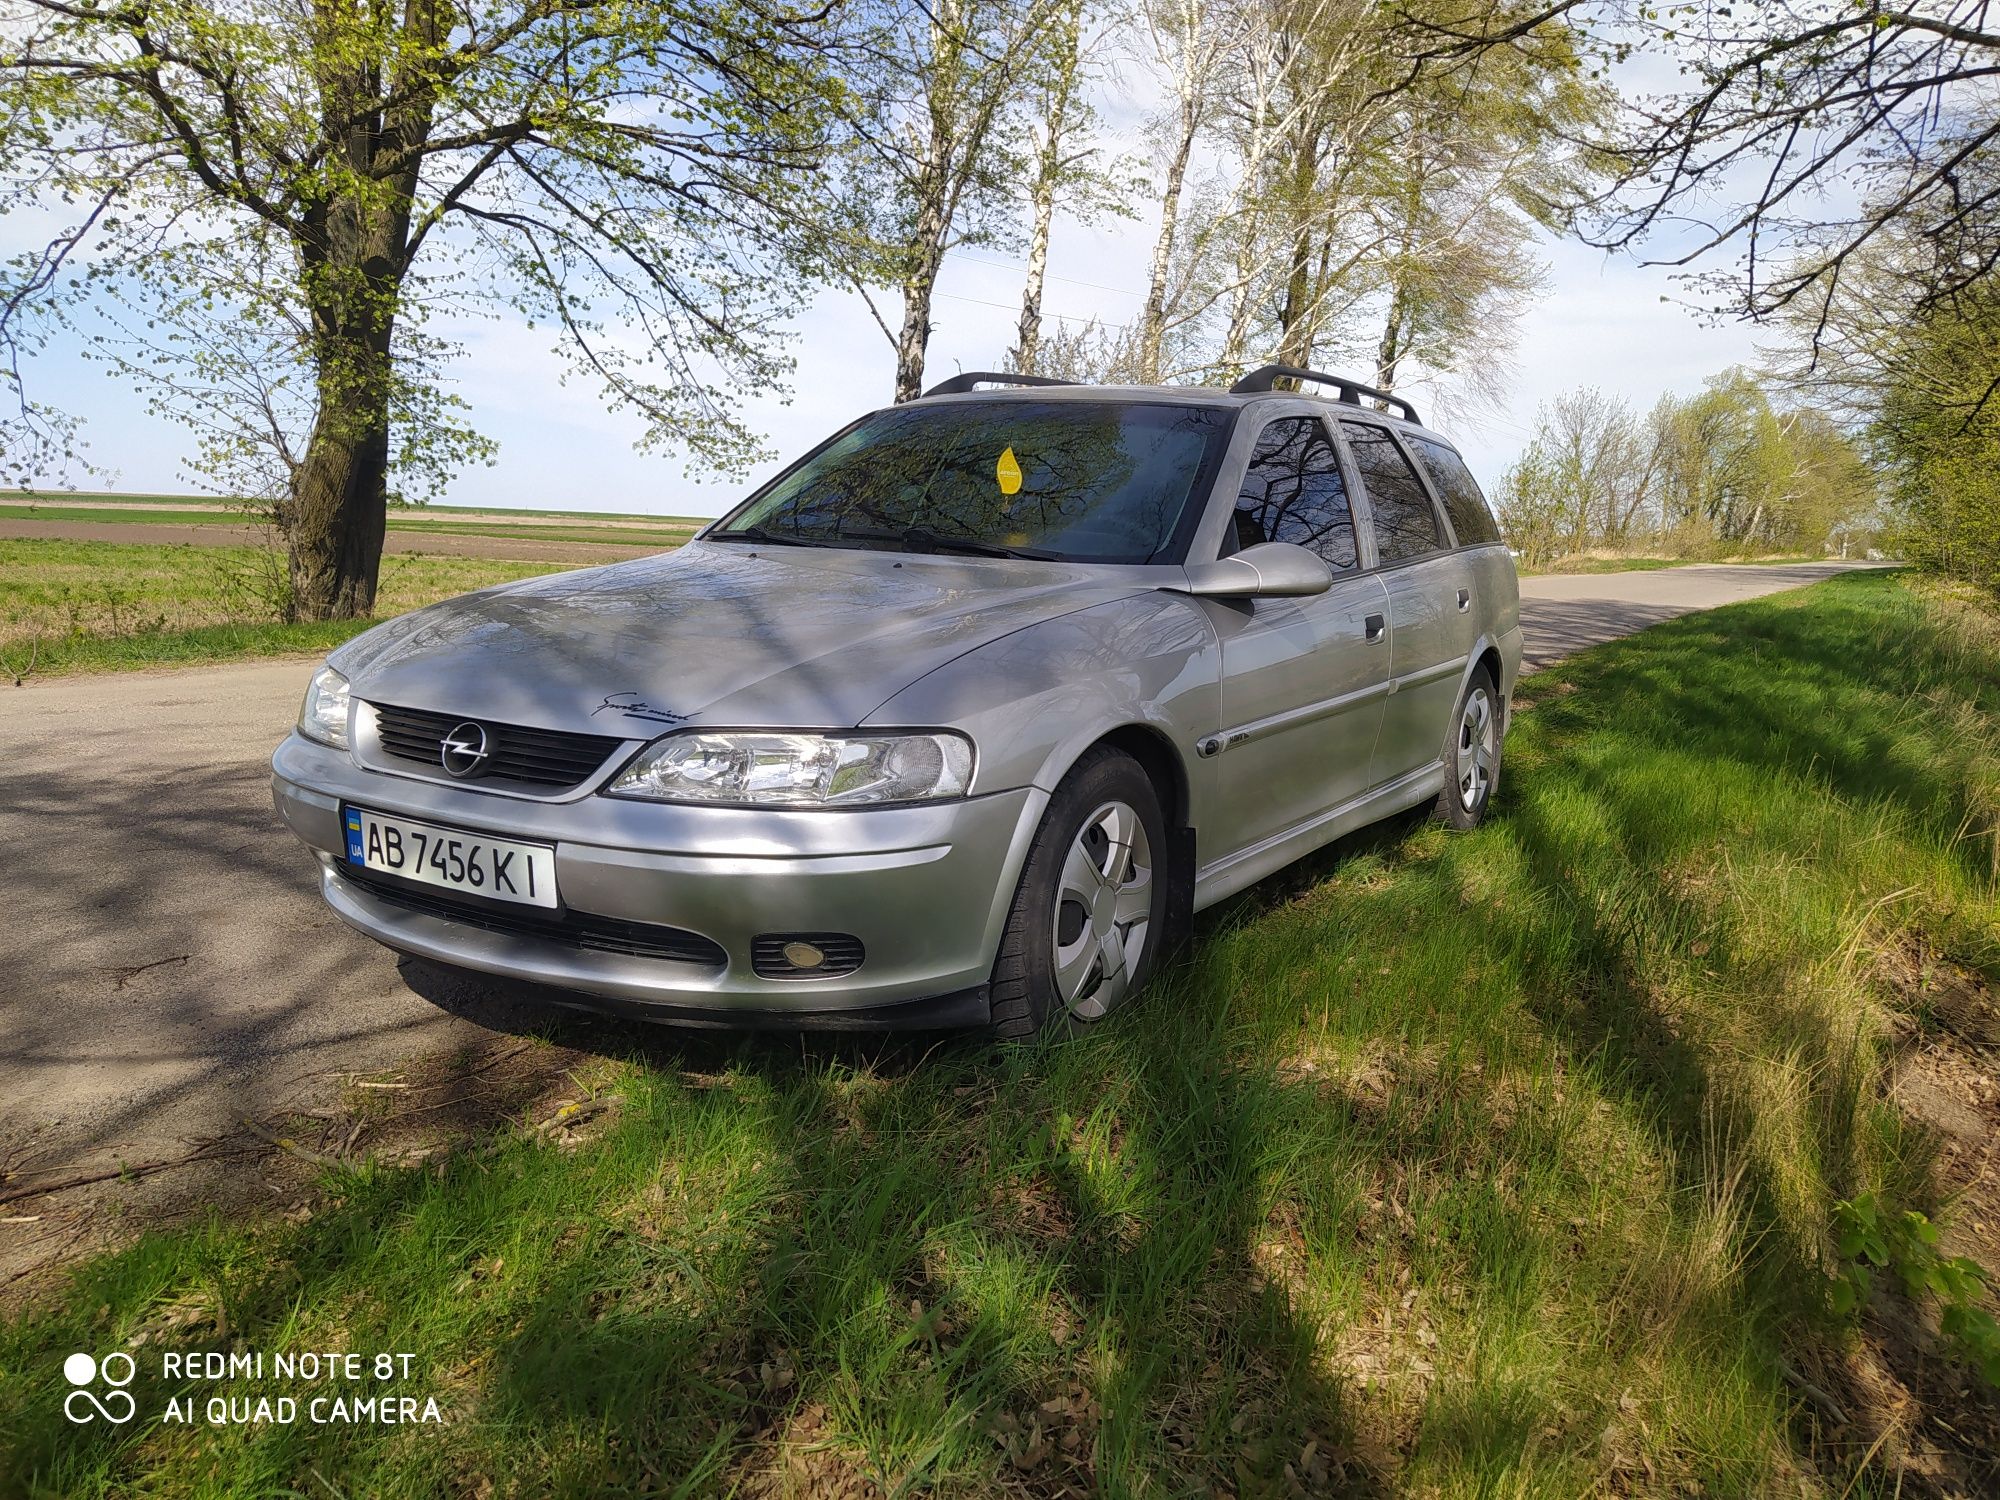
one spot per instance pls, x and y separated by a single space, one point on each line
715 633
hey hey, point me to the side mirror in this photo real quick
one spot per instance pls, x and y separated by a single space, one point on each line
1269 570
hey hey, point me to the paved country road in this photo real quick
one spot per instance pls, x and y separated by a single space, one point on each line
166 966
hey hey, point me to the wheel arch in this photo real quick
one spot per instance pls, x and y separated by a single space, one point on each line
1156 755
1485 653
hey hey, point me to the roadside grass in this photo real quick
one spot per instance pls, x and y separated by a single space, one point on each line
666 530
1612 562
208 503
98 606
1496 1164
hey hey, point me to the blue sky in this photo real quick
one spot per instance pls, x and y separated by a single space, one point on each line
1603 322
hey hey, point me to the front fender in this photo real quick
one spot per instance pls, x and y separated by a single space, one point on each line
1035 700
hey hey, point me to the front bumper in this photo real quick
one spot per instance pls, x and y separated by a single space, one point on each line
925 888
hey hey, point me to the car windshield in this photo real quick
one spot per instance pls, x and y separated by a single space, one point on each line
1084 481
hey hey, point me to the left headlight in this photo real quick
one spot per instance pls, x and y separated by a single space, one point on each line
799 770
323 716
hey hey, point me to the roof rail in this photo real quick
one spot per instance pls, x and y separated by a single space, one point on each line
958 385
1351 391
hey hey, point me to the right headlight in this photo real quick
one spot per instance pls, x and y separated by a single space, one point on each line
323 716
760 769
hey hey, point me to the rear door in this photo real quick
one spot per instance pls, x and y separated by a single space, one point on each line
1429 594
1303 680
1493 603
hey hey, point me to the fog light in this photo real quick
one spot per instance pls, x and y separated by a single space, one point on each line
802 955
805 955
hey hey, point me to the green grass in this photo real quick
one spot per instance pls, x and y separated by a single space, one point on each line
1498 1164
668 532
152 515
1608 564
102 606
42 500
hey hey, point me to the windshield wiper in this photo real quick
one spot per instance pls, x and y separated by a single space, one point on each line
924 539
759 534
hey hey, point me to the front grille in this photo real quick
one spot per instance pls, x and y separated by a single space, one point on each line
547 758
843 955
574 928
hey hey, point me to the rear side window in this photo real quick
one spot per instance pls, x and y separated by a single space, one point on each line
1406 523
1293 492
1462 501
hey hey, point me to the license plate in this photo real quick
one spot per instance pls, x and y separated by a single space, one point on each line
498 869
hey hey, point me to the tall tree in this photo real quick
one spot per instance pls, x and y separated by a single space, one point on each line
934 158
327 168
1483 161
1185 43
1791 110
1065 154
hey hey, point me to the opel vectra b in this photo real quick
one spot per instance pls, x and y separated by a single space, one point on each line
957 721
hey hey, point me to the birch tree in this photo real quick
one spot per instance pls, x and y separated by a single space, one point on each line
1067 156
934 159
1484 160
1185 41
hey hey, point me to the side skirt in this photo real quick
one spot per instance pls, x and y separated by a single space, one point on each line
1243 868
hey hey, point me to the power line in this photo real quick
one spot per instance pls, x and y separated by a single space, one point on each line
1002 265
1010 307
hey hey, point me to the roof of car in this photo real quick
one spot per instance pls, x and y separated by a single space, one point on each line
1350 393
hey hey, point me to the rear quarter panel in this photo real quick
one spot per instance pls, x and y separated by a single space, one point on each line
1496 583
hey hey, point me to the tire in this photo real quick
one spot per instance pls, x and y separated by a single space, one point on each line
1472 754
1062 960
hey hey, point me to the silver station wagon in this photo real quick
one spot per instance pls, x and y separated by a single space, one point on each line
957 721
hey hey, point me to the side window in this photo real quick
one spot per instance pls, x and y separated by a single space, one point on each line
1406 523
1293 492
1462 501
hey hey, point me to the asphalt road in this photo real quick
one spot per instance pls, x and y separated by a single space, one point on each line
166 966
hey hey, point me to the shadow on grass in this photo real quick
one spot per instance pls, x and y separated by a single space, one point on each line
1337 1209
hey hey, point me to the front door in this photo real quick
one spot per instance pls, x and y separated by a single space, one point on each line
1303 680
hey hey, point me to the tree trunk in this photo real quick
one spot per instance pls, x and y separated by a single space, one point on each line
1298 314
1389 353
1028 339
1249 229
1049 168
913 339
1294 320
1153 322
354 251
340 507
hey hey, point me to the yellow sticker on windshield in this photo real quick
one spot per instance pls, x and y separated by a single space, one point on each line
1008 472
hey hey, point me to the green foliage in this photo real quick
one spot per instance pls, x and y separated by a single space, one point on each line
1720 472
1936 430
1485 1165
1907 1244
267 219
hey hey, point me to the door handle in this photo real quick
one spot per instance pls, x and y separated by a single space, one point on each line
1377 627
1464 600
